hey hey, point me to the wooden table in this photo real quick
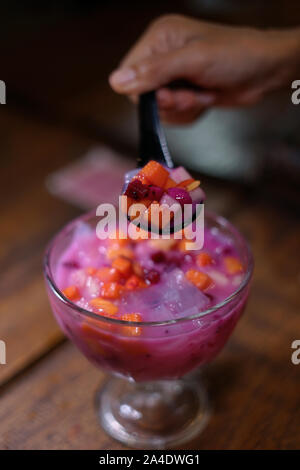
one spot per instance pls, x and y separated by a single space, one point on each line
47 386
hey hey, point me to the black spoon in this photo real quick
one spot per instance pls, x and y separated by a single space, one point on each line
153 146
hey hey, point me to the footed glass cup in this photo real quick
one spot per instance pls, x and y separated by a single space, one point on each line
152 399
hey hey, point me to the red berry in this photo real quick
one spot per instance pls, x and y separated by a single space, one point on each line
158 257
136 190
152 276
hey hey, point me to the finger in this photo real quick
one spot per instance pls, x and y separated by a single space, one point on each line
154 72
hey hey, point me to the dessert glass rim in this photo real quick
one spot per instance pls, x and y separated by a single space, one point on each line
101 318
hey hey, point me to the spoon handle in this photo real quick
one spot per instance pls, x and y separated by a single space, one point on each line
153 145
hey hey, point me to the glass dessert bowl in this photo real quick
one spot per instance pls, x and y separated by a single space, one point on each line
152 329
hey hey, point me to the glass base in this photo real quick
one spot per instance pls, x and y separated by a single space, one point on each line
153 415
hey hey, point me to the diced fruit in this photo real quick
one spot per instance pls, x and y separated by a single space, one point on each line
94 330
152 276
72 293
193 185
198 278
135 282
108 274
204 259
155 173
155 192
111 290
233 265
163 244
120 240
137 190
197 195
180 174
103 306
142 178
180 195
113 253
91 271
170 184
137 269
123 265
185 183
131 330
158 257
183 244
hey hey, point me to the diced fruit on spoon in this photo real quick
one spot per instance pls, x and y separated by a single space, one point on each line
155 183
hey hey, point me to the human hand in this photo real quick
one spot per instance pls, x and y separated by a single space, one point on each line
232 66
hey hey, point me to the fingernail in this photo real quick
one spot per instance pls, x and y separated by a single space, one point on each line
122 76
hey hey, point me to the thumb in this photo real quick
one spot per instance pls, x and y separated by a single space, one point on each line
155 71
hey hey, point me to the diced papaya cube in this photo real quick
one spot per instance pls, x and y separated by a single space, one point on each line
185 183
142 178
233 265
163 244
193 185
170 184
198 278
155 173
107 274
93 330
120 240
184 244
72 293
204 259
97 348
123 265
90 270
103 306
137 269
140 208
135 282
111 290
113 253
133 346
131 330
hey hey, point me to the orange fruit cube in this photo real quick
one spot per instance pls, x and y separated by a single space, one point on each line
72 293
123 265
233 265
111 290
155 173
137 269
107 274
113 253
198 278
135 282
103 306
185 183
170 183
193 185
131 330
142 178
90 270
204 259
